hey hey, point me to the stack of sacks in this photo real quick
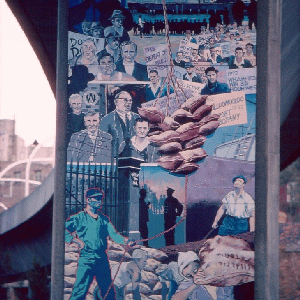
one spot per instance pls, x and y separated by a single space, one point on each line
150 286
181 135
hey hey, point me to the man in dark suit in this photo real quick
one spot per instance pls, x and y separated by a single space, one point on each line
90 144
238 61
120 122
128 64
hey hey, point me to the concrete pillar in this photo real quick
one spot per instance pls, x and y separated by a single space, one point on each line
267 150
59 202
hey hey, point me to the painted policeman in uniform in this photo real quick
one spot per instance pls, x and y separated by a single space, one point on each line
90 230
239 209
172 209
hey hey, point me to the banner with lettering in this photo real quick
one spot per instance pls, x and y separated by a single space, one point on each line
242 80
230 107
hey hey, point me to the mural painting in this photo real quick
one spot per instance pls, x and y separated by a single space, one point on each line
161 149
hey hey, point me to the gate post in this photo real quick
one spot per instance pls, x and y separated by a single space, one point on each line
129 168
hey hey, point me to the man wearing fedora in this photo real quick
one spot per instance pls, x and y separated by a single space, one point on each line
96 30
90 229
117 29
172 209
190 73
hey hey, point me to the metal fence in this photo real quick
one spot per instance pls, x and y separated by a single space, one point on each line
82 176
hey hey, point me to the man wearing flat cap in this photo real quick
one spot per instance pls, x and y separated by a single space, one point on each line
190 73
117 29
239 209
172 209
90 229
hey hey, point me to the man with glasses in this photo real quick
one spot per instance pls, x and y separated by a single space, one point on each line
120 122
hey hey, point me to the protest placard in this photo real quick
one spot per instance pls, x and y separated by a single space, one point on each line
242 80
253 38
225 47
157 58
194 87
222 72
179 72
241 44
233 46
231 107
186 48
168 105
200 67
75 41
202 39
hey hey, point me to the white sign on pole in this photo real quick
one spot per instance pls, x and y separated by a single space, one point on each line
157 58
231 107
242 80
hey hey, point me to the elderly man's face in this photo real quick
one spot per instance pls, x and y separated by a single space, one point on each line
239 53
92 122
76 104
211 76
128 53
141 129
123 102
88 49
106 65
191 270
113 43
117 22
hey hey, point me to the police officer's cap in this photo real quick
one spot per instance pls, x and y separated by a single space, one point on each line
170 189
94 193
